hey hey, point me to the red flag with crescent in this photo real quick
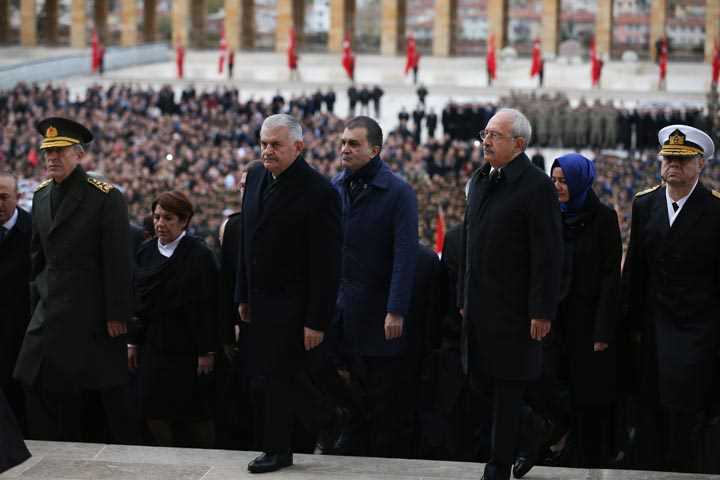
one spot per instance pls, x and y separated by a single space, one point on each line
491 60
536 58
292 50
348 58
223 52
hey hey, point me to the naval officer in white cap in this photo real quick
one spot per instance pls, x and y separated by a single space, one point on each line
672 291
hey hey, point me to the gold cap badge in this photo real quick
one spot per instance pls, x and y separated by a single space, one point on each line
51 132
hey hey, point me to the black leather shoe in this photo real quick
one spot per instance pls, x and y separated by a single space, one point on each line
541 435
269 462
495 471
329 437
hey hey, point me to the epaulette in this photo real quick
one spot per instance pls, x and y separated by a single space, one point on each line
716 193
43 184
645 192
100 185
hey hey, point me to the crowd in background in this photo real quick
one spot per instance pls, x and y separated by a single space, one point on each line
149 141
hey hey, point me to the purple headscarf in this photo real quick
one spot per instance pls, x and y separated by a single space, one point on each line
579 176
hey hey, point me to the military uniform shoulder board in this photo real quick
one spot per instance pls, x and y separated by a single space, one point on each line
646 191
100 185
43 184
716 193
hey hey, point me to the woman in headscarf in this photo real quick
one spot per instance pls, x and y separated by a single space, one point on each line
588 311
175 293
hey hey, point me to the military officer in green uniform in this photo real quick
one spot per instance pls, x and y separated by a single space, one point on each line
672 292
80 294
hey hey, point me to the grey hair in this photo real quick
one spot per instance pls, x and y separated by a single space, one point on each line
520 124
284 120
12 177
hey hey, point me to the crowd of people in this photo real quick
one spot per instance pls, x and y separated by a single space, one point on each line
181 162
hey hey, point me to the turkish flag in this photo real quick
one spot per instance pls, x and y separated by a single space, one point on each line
348 58
491 61
223 52
536 57
180 59
95 61
292 50
663 60
33 157
439 231
716 63
412 57
595 64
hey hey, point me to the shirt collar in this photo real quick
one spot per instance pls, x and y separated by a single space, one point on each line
672 214
13 220
169 249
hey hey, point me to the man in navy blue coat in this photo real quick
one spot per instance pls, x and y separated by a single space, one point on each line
380 242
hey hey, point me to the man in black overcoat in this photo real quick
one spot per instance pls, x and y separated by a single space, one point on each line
79 291
15 230
288 279
671 280
510 274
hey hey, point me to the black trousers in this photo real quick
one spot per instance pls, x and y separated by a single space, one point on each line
285 399
507 412
62 416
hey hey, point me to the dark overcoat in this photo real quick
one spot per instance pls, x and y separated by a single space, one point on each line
289 268
590 309
80 280
380 233
511 267
15 292
672 285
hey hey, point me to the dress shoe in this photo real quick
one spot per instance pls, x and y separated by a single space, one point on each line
526 460
327 443
495 471
269 462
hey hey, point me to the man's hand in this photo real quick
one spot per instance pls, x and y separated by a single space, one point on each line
132 357
206 363
116 328
393 326
539 328
244 311
599 346
313 338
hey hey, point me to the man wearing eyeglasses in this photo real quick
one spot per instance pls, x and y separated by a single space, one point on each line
510 275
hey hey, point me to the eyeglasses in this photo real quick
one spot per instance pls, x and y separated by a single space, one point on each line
493 136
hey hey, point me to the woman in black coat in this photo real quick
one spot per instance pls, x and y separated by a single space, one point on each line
589 308
175 293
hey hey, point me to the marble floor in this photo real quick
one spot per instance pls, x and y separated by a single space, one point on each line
83 461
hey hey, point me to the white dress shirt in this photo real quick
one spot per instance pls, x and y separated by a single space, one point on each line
672 214
169 249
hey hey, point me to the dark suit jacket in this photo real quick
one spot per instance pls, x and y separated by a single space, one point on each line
81 279
672 286
289 268
511 266
229 258
15 292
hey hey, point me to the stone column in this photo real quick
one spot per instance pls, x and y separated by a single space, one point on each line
77 24
198 22
342 22
50 25
4 21
603 27
392 35
299 20
28 26
240 23
444 27
180 14
128 14
712 27
100 14
149 23
284 22
658 17
550 39
497 15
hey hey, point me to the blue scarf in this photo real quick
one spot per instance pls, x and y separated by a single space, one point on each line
579 176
